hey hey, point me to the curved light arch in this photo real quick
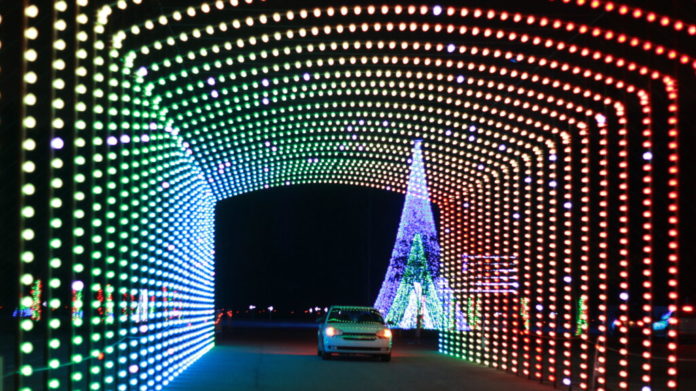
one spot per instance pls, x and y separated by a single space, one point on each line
110 175
191 56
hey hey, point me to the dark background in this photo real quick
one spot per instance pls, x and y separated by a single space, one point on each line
302 246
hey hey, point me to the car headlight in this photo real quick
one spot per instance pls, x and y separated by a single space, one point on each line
384 333
332 331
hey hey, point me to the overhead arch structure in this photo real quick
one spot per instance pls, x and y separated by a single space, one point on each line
551 136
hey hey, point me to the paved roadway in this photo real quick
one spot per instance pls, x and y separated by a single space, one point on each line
286 360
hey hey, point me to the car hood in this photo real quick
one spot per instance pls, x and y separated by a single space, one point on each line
357 327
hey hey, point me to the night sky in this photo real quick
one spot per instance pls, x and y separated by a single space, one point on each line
301 246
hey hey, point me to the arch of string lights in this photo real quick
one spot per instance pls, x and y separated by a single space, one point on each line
550 137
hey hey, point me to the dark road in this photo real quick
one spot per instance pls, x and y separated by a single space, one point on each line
286 360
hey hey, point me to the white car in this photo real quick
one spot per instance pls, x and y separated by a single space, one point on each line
354 330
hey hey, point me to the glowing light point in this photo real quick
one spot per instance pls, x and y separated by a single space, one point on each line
437 10
78 285
647 155
57 143
451 48
601 119
461 79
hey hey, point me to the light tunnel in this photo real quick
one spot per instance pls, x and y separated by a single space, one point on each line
551 138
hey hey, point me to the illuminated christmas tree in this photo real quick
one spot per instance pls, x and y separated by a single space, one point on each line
412 287
417 303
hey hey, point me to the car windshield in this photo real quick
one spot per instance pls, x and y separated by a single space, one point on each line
355 315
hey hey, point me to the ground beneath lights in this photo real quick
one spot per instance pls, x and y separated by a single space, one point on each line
285 359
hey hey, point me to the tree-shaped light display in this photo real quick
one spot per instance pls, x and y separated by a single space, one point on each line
412 275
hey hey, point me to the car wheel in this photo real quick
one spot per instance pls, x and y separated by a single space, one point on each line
386 357
325 356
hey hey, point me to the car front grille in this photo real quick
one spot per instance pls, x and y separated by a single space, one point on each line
358 348
359 336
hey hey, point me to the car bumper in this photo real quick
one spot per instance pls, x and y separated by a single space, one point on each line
340 344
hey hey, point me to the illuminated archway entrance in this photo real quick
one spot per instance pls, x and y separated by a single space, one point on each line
551 145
